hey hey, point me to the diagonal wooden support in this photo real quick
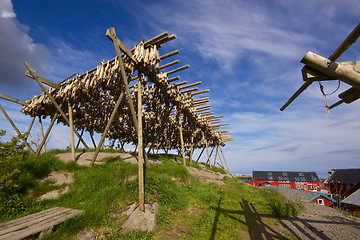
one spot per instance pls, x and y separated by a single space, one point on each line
107 127
228 170
30 126
47 133
110 33
53 101
81 134
200 154
16 129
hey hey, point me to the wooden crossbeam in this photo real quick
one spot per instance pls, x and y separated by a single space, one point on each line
43 80
11 99
173 79
178 69
200 92
170 54
168 64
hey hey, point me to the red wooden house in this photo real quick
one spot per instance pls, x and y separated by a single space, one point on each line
295 180
342 182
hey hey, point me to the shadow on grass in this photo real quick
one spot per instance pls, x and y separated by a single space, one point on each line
254 220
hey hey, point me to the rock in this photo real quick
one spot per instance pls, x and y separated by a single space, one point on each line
89 235
50 195
59 178
130 209
142 221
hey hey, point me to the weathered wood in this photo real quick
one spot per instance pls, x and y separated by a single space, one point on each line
167 39
352 38
141 151
173 79
155 39
189 90
168 65
170 54
43 80
178 69
200 92
191 149
190 85
17 130
36 77
71 125
30 126
81 134
37 222
113 113
197 160
11 99
111 34
182 144
47 133
332 69
42 133
92 139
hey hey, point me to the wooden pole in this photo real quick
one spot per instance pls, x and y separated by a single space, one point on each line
81 134
47 133
71 125
191 149
107 128
53 101
216 153
225 161
29 129
92 139
141 151
207 150
200 154
42 133
17 130
182 144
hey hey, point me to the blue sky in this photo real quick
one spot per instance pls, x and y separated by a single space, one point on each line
246 52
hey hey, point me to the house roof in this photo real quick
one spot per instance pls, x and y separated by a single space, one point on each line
289 176
353 199
321 195
346 176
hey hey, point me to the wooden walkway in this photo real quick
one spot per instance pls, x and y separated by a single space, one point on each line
26 226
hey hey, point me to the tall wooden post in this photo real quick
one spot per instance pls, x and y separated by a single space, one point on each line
42 134
225 161
182 144
216 153
191 149
140 152
71 125
30 126
207 150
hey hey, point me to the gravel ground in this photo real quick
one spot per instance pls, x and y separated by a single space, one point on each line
320 222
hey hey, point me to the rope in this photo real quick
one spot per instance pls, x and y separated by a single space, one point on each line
327 108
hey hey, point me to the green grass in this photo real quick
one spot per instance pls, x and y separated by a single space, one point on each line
188 209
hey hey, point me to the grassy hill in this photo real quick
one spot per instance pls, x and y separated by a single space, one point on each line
188 208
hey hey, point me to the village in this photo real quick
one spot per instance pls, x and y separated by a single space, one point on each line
340 190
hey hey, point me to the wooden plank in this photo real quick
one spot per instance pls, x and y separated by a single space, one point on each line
42 223
11 99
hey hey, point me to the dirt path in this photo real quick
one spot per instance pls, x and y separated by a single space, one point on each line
320 222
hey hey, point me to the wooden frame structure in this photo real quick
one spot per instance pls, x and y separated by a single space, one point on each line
103 101
319 69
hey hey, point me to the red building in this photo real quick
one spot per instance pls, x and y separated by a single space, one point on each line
295 180
343 182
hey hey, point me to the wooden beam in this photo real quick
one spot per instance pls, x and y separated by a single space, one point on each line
155 39
169 54
11 99
182 144
332 69
190 85
173 79
200 92
43 80
178 69
47 133
113 113
167 39
168 65
189 90
141 151
30 126
71 125
200 154
42 133
111 34
36 77
17 130
352 38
